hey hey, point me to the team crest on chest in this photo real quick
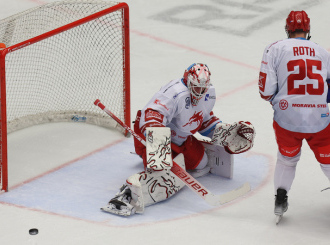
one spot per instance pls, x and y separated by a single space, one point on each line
197 119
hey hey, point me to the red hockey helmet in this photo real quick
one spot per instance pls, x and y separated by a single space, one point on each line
297 21
197 79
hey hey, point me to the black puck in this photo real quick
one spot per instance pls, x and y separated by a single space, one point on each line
33 231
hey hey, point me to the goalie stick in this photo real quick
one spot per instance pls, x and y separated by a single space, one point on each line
190 181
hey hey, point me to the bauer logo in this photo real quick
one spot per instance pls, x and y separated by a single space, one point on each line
77 118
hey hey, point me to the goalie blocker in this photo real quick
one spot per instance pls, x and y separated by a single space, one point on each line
158 147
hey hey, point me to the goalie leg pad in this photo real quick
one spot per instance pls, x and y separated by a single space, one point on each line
149 187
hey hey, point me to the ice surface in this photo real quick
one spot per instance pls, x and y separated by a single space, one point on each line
61 174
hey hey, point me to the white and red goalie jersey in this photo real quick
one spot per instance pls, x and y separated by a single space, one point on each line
171 107
293 77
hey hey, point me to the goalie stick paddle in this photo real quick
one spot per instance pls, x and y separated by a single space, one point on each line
190 181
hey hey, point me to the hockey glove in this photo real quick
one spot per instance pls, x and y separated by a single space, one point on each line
235 138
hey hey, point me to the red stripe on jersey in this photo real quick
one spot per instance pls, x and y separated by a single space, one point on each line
262 81
151 114
209 122
266 97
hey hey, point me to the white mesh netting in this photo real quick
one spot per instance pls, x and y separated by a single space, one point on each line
59 78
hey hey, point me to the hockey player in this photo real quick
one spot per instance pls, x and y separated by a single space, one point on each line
182 108
292 78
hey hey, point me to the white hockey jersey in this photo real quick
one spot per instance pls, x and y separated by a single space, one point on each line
173 102
293 77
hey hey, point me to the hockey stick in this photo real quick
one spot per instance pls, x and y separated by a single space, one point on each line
190 181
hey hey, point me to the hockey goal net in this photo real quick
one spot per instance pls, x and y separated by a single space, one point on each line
58 59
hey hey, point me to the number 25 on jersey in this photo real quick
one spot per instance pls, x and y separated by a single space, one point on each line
305 69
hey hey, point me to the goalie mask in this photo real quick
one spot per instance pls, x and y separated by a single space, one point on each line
197 79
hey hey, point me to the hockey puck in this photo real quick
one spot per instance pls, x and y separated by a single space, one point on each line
33 231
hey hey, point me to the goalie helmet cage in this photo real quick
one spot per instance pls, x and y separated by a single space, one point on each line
59 58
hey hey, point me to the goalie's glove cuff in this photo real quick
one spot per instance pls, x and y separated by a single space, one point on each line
246 131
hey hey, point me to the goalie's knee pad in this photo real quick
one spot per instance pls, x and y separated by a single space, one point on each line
202 169
150 187
203 163
326 169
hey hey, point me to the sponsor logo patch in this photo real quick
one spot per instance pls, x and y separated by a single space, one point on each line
187 103
283 105
153 115
157 102
77 118
208 97
262 81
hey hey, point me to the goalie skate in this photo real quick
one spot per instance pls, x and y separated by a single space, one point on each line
120 204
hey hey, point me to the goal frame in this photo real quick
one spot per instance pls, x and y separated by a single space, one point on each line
3 52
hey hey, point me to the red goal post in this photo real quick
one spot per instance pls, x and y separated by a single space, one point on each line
60 57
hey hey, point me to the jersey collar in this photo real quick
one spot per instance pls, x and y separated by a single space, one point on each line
183 82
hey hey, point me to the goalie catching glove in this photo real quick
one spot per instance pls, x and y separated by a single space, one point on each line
235 138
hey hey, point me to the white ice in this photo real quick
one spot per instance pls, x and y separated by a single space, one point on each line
61 174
